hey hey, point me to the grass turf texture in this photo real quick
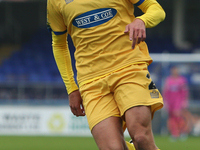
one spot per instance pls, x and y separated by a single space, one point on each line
83 143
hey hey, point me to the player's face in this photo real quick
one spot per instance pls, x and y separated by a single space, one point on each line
175 71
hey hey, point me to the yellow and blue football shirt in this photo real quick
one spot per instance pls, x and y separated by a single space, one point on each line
97 30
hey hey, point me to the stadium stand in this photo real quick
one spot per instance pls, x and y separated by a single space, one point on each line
34 62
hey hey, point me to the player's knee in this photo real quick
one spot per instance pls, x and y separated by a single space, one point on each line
140 139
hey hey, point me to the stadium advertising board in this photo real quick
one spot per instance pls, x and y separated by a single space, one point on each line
37 120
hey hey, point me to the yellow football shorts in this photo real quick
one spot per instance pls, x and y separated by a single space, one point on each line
115 93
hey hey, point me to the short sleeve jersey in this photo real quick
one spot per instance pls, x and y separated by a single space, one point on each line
97 30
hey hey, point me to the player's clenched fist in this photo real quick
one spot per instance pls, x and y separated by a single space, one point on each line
75 103
137 31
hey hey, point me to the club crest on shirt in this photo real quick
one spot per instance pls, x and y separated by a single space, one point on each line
154 94
94 17
68 1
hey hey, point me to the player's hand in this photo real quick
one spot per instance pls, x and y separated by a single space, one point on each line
137 31
75 103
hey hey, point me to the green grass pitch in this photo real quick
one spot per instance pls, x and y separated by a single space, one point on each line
83 143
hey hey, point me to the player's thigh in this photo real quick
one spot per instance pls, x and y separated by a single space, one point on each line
138 117
108 134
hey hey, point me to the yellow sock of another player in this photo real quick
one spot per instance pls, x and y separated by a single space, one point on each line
130 146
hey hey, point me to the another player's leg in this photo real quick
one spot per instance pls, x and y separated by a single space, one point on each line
173 127
108 134
138 121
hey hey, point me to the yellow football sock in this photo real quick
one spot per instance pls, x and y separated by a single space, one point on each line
130 146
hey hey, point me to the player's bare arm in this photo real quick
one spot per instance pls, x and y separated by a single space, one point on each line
75 103
137 31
